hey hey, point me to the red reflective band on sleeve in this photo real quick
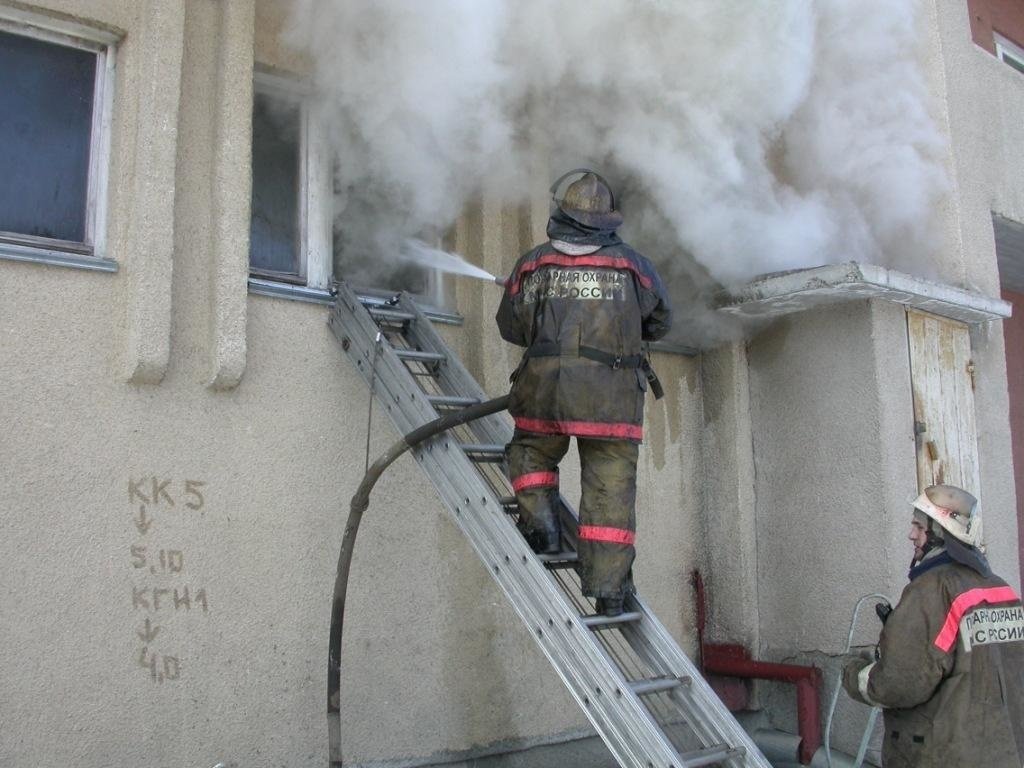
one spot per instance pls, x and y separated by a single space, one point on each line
963 603
581 428
535 480
561 260
610 535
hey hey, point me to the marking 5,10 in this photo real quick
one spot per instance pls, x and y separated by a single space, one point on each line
165 560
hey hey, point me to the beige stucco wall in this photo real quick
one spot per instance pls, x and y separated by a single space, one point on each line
833 453
170 371
824 500
985 101
729 529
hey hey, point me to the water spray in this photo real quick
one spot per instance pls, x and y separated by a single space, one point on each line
418 252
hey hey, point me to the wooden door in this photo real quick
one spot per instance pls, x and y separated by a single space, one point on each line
942 377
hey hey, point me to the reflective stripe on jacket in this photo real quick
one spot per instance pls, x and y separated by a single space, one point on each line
555 304
950 673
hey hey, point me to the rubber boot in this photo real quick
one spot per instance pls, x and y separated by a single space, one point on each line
542 529
546 532
610 606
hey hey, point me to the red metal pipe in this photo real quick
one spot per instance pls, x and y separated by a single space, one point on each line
734 661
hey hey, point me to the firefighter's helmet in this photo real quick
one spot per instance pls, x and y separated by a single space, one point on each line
954 510
588 200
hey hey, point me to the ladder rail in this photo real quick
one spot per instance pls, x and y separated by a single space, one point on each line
359 342
655 644
453 376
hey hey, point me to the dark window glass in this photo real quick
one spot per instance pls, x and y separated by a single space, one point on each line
274 233
1014 62
46 94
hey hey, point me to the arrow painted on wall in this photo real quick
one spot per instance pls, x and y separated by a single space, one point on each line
142 522
148 633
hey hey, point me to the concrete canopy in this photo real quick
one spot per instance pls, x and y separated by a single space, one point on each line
783 293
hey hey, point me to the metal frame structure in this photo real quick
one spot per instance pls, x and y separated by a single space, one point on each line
642 694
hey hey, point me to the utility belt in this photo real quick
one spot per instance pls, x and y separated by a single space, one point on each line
615 362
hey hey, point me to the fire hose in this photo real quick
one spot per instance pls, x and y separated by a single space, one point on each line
862 750
359 504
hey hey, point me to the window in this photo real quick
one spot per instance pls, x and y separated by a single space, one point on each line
290 229
55 108
1010 52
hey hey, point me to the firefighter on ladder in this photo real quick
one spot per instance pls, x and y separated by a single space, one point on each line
949 673
582 304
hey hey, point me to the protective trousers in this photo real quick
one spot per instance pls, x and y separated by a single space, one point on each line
607 508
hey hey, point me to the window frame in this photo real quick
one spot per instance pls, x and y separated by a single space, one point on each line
315 193
91 253
1007 49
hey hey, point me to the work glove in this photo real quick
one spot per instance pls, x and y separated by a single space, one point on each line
883 610
851 670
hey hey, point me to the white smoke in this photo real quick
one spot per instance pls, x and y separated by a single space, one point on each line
764 135
863 140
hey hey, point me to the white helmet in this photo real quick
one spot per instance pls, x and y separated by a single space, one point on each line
955 511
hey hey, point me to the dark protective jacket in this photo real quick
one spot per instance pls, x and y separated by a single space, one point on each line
950 673
583 319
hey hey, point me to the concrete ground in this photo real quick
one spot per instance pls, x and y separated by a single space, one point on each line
591 752
580 753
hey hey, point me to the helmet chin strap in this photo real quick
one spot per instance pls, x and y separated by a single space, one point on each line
932 541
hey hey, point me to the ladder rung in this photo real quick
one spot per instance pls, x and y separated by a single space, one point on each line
420 356
390 315
710 755
483 452
495 449
657 685
452 401
508 501
600 621
559 561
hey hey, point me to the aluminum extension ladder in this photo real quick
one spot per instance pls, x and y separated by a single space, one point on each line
642 694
